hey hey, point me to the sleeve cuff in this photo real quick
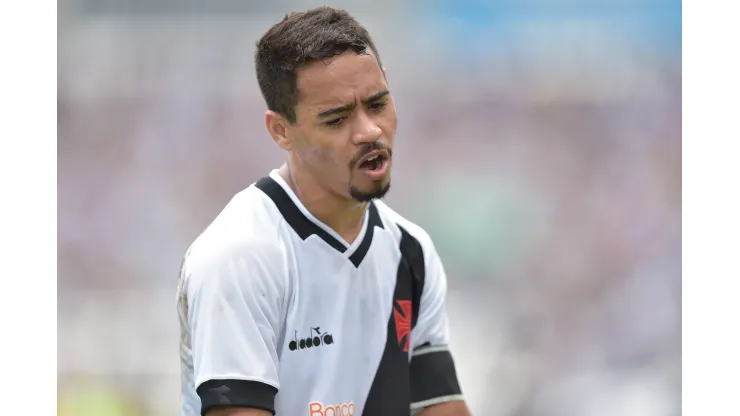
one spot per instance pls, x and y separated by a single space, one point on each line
236 393
433 377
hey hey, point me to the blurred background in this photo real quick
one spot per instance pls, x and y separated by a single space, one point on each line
539 143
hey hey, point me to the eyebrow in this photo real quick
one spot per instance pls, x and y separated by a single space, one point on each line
347 107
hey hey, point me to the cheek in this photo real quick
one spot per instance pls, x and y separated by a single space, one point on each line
390 123
325 158
324 155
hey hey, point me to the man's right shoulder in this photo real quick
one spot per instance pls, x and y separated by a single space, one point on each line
248 228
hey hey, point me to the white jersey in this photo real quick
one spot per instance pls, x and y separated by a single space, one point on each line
278 312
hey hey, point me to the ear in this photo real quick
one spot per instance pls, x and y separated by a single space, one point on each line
276 125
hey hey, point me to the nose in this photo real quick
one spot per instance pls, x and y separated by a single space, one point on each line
366 130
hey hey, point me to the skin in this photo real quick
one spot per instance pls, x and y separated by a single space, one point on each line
456 408
321 149
323 152
237 411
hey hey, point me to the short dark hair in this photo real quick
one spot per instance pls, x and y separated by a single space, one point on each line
298 40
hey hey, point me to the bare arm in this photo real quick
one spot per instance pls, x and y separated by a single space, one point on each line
237 411
456 408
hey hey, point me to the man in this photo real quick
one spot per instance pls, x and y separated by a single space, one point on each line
307 295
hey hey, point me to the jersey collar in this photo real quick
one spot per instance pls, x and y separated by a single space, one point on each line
306 225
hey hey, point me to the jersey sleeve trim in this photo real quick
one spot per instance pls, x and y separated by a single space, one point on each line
437 400
236 393
433 377
427 349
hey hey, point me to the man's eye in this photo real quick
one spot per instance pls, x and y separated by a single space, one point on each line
335 122
378 106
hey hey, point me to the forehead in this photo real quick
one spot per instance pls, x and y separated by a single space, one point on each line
339 80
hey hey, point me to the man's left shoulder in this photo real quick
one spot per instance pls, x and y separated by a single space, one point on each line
414 230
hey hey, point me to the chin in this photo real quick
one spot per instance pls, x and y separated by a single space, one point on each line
375 192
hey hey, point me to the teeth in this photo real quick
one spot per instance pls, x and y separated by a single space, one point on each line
372 158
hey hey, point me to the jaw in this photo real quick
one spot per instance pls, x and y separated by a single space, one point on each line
369 190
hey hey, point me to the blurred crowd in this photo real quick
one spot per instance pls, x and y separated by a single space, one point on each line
539 143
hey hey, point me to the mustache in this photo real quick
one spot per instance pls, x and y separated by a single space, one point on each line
367 148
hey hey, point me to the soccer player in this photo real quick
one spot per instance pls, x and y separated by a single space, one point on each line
307 295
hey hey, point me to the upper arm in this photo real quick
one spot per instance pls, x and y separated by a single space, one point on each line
454 408
433 374
237 411
234 297
432 326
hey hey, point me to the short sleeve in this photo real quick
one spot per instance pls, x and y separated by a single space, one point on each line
433 374
234 300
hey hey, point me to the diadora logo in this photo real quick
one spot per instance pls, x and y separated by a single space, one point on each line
318 409
402 316
315 338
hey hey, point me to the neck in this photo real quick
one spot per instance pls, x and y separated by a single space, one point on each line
343 215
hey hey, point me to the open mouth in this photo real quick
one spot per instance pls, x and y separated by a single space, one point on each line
373 163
